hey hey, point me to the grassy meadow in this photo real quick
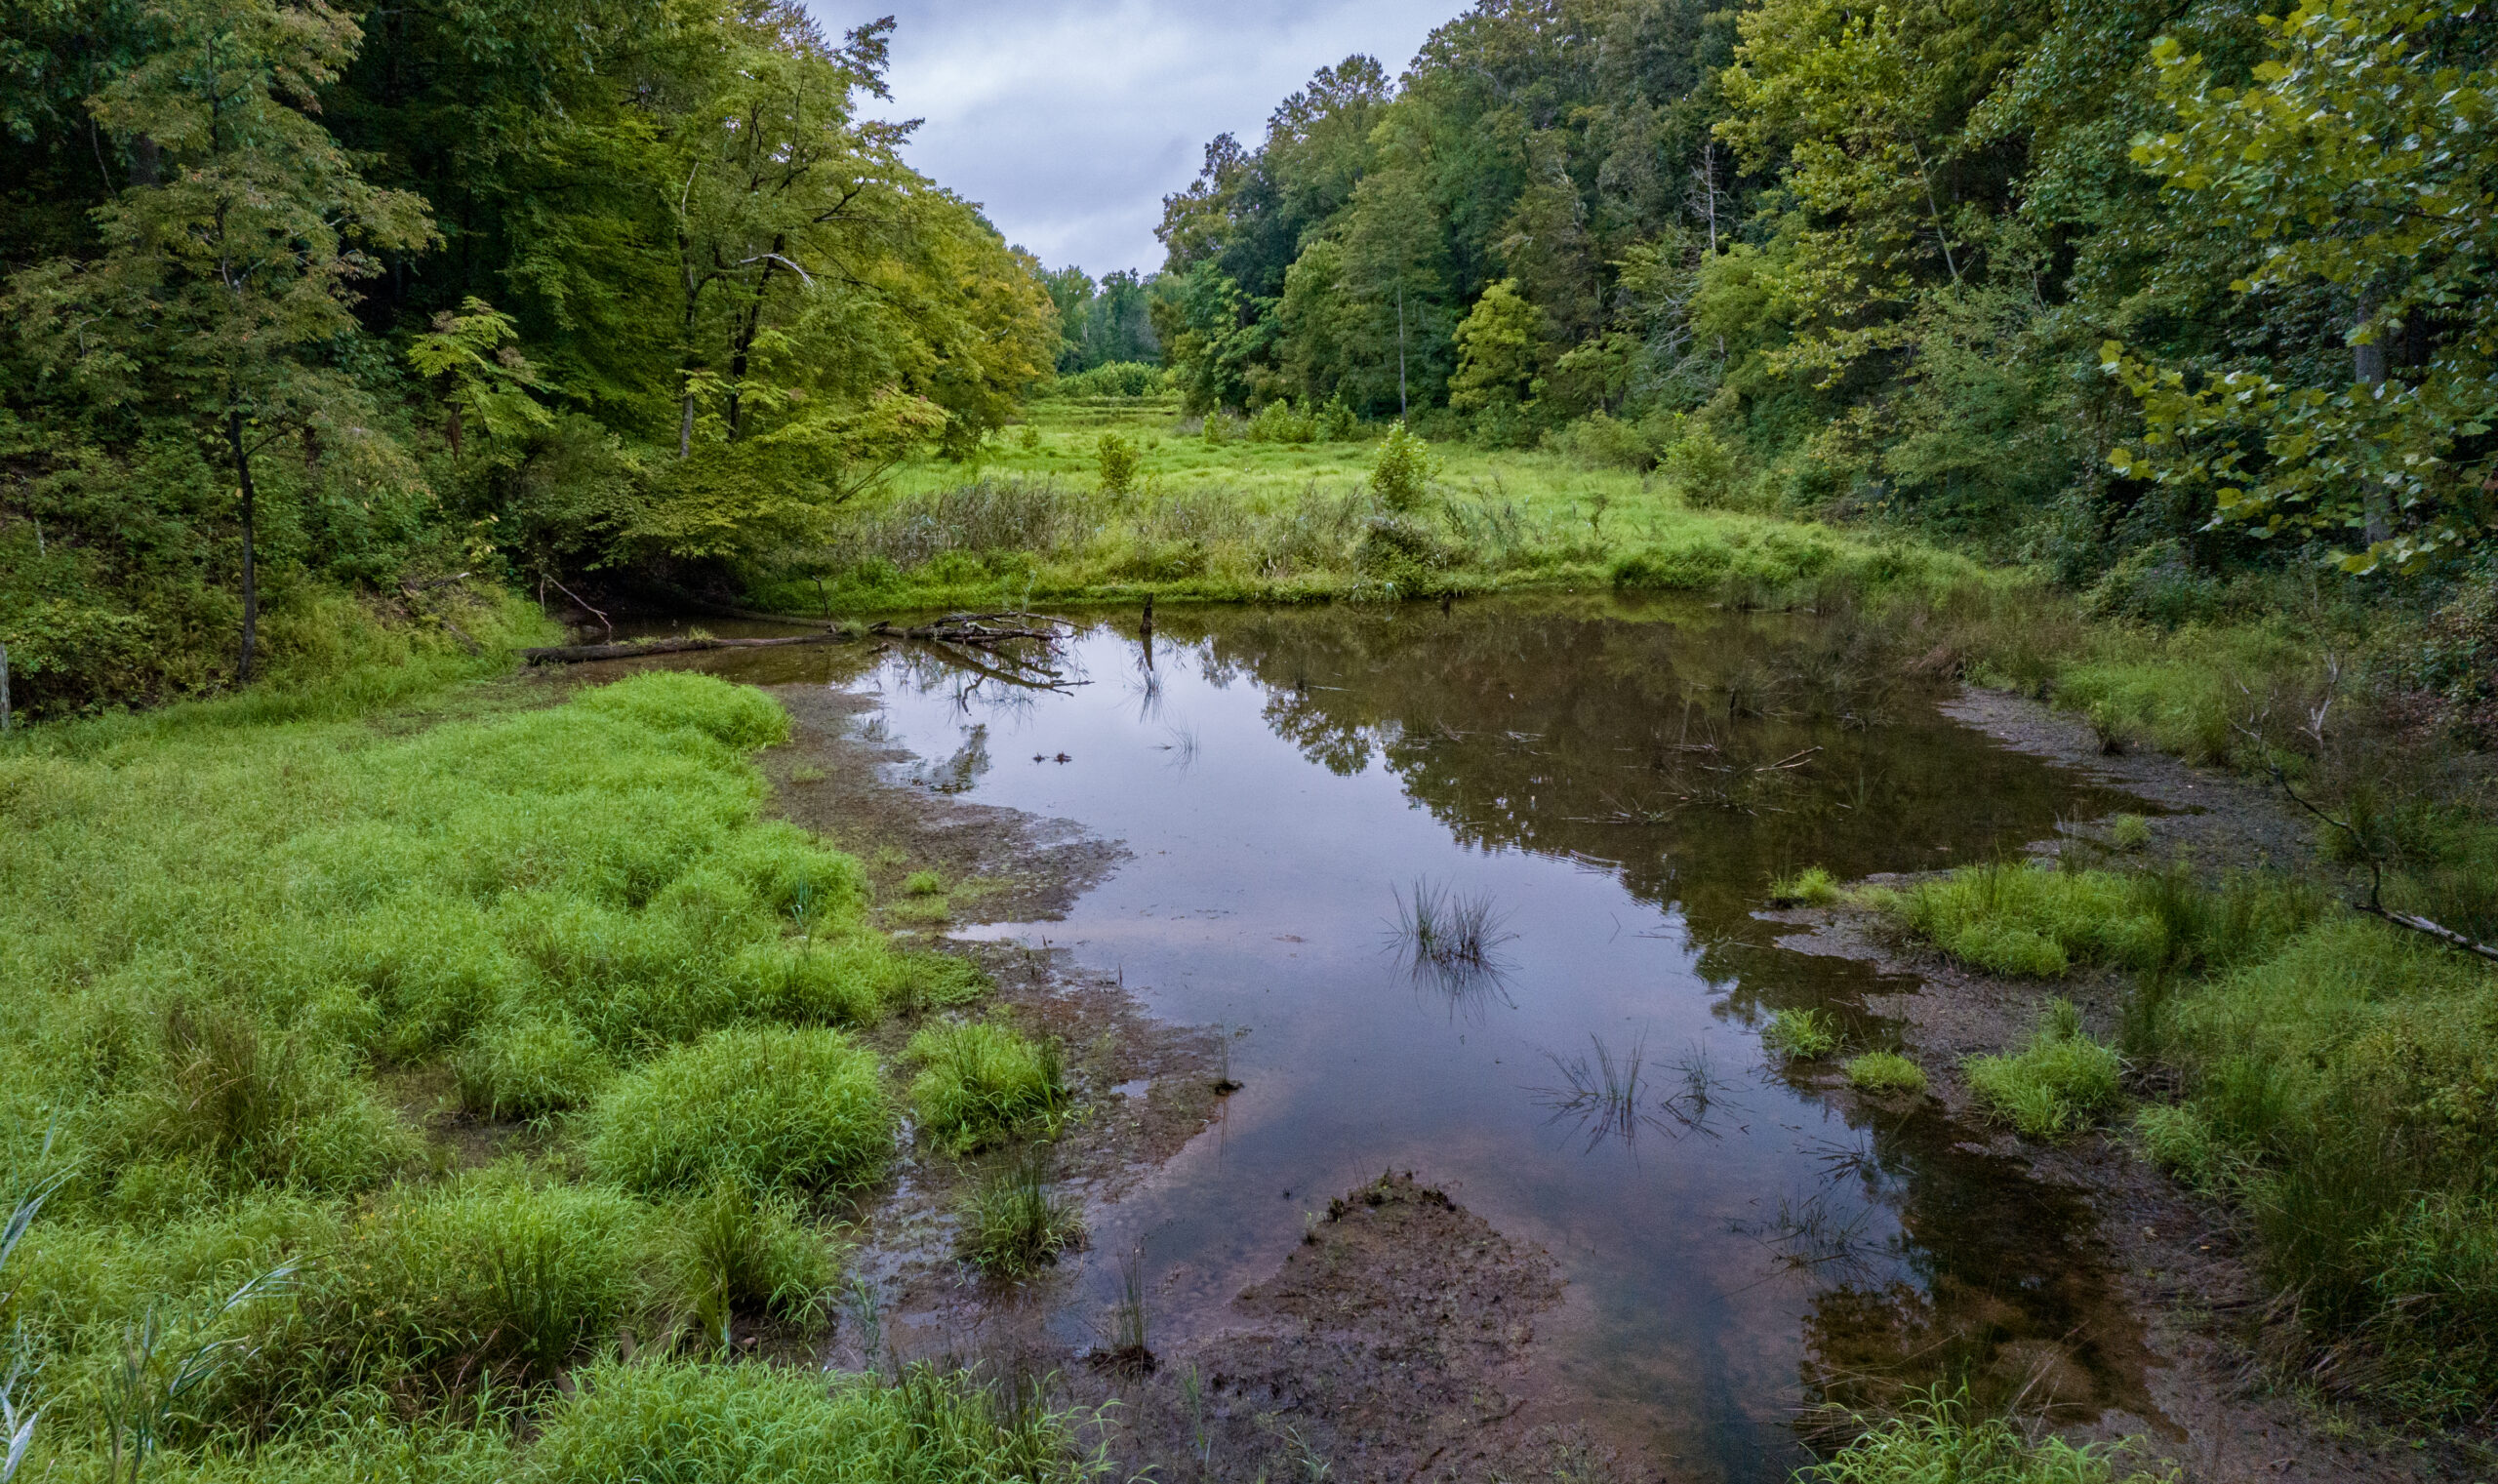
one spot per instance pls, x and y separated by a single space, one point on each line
447 1088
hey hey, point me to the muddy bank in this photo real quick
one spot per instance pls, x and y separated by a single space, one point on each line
2224 1404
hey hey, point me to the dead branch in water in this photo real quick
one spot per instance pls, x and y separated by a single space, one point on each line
581 653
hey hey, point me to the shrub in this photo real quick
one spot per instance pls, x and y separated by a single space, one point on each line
681 1422
2053 1084
1886 1071
1804 1034
979 1079
739 716
529 1067
1336 422
1278 422
1402 471
733 1252
1112 379
1702 469
1118 458
1812 886
1601 441
783 1110
1012 1222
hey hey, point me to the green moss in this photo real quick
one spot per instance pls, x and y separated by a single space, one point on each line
780 1109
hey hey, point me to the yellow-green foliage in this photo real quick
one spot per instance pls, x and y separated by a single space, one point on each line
1939 1439
1886 1071
1804 1034
978 1079
1813 886
2052 1085
731 1251
2034 922
780 1110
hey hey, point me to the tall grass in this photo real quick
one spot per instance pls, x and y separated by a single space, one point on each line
2053 1084
1938 1438
799 1110
979 1080
1012 1222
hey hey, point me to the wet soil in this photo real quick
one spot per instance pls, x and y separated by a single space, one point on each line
2224 1404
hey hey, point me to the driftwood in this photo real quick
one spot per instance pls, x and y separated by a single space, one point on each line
581 653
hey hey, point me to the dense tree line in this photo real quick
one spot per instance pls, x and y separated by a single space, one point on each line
305 299
2068 276
1103 322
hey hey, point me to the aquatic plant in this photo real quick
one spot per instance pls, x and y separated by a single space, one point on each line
979 1079
1886 1071
2054 1083
2129 831
1938 1436
1804 1034
1125 1347
2030 921
1013 1223
1449 929
785 1109
1813 886
1602 1091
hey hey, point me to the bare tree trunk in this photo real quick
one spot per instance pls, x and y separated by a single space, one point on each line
685 428
251 574
2368 364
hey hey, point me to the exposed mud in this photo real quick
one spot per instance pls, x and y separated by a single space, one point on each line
2222 1406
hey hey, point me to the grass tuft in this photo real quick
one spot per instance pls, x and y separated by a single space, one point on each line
979 1080
1813 886
1013 1223
1806 1036
1937 1438
1886 1071
2054 1084
731 1251
800 1110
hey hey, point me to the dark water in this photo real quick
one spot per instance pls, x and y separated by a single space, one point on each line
1611 778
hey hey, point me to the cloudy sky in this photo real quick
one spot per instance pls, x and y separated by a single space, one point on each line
1070 121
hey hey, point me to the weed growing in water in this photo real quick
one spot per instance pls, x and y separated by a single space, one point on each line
980 1079
1013 1223
1126 1349
1886 1071
2052 1085
924 884
1812 886
1805 1035
2129 832
1602 1091
1448 929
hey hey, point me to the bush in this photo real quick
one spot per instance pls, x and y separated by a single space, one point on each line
2052 1085
530 1067
1603 442
1886 1071
784 1110
1278 422
1119 460
1402 471
979 1079
1702 469
1112 379
1804 1034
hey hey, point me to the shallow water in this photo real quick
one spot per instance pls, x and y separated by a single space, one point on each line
1622 782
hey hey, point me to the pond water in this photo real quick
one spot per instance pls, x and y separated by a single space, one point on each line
1619 784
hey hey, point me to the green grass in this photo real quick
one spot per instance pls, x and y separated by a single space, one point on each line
2032 921
1886 1071
2129 831
1938 1439
1012 1224
1813 886
247 945
2053 1085
979 1080
795 1110
1803 1034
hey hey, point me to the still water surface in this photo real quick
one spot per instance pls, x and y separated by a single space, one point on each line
1622 783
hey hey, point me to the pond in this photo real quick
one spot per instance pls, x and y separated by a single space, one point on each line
1614 786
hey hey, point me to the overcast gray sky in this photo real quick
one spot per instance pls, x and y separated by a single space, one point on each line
1070 121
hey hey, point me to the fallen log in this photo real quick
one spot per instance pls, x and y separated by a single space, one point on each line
581 653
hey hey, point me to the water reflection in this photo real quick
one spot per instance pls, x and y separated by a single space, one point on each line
1613 788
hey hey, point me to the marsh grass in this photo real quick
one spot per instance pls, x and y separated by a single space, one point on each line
1886 1071
1449 929
2055 1083
979 1080
1813 886
1012 1222
1939 1437
1125 1347
2032 921
1602 1091
1803 1034
797 1111
731 1251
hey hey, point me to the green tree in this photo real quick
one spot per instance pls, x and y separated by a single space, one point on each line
226 272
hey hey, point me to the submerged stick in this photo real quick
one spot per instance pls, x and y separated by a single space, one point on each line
581 654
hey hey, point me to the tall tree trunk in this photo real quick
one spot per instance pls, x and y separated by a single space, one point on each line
250 575
2368 364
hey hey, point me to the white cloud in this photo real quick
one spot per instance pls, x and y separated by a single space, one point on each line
1069 121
